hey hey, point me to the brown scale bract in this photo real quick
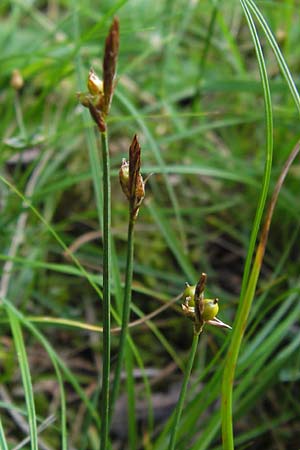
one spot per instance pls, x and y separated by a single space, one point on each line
110 64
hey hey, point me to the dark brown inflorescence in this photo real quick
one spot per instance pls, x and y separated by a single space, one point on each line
99 97
131 180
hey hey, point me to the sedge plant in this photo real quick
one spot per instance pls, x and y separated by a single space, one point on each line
268 338
133 186
98 101
201 311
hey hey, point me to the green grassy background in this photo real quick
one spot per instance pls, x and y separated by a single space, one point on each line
189 86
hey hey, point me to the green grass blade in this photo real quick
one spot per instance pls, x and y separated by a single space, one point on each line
90 279
3 442
57 362
26 378
275 47
248 284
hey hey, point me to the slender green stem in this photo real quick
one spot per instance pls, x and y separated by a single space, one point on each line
125 312
183 392
132 422
106 292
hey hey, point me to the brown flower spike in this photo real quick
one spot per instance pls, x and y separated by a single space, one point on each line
99 97
110 64
131 180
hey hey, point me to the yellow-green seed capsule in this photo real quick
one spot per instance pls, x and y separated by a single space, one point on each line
189 295
16 80
211 308
94 84
124 178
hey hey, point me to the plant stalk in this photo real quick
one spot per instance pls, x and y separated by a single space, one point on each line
131 406
106 292
125 312
182 395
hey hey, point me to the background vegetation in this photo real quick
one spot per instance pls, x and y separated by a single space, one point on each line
189 86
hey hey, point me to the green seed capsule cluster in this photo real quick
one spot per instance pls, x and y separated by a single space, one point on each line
210 306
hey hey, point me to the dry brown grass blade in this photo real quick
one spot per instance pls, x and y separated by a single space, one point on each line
266 227
149 316
98 329
110 63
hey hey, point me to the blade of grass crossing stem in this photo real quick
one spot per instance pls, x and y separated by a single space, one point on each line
249 281
275 47
3 443
182 395
26 378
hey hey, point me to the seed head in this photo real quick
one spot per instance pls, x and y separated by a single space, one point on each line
131 180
